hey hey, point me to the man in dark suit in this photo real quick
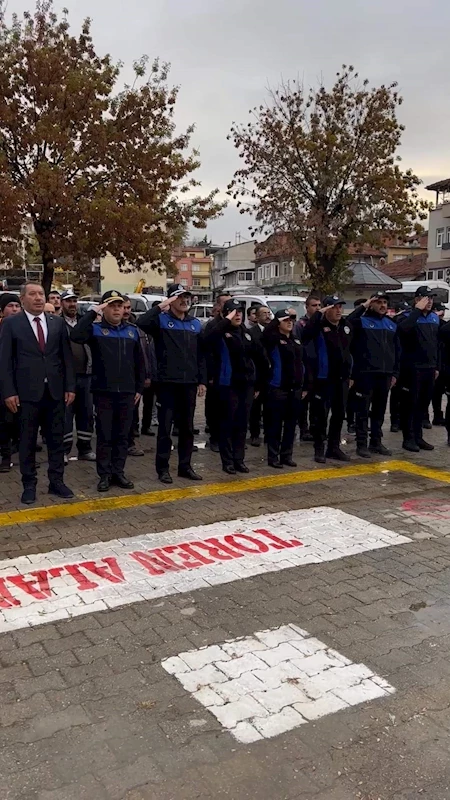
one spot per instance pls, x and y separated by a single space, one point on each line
37 378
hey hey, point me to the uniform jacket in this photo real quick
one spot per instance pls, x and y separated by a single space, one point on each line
117 359
179 353
375 345
419 338
286 358
26 371
330 358
234 355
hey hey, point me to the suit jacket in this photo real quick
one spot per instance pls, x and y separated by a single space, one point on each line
24 369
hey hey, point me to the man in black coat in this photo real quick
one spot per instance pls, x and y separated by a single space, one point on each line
37 377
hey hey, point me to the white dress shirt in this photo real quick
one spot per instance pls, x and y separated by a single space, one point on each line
34 327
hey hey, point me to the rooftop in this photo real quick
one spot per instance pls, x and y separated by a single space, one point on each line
440 186
410 267
366 275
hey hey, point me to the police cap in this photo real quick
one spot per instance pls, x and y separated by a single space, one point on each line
113 296
233 304
333 300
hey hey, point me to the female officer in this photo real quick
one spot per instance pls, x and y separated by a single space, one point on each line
232 353
285 387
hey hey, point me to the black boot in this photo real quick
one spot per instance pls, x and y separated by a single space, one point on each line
337 454
362 451
319 454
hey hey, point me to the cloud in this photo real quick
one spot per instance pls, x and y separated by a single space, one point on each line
224 54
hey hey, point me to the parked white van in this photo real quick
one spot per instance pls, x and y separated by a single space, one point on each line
275 302
440 288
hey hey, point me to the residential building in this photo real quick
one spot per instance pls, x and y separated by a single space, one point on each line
193 270
412 268
397 248
234 268
126 282
438 264
277 269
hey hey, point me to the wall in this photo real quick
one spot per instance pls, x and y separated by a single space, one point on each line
126 282
439 218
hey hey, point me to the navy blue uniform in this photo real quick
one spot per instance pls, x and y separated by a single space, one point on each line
376 352
419 338
232 353
284 394
118 374
329 365
180 370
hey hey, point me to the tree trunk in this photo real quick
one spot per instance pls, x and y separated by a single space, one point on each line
47 275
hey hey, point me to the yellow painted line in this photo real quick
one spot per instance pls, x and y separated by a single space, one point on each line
66 510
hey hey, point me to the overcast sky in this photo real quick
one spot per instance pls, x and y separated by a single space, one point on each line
224 53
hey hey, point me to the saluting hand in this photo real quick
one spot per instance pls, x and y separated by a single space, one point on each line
422 303
137 397
167 302
231 315
327 308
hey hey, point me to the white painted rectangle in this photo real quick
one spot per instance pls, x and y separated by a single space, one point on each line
49 586
263 685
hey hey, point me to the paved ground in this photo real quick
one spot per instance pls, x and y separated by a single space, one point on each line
92 707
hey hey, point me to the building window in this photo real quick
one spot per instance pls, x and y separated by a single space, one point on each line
183 267
196 282
245 277
439 237
448 235
430 275
184 282
440 275
260 274
195 267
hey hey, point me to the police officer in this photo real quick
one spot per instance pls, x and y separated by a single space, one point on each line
82 408
444 337
284 394
376 352
258 405
419 364
118 375
440 382
181 375
394 400
312 304
329 366
233 354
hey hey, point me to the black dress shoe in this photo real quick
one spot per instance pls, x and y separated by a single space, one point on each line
337 454
255 441
275 464
165 477
425 445
395 428
319 457
427 425
5 466
190 474
229 469
60 489
241 467
121 481
28 495
380 449
306 437
104 484
213 446
288 462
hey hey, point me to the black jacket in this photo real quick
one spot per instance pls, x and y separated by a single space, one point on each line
234 355
331 357
117 359
82 357
419 338
26 371
375 345
179 353
286 358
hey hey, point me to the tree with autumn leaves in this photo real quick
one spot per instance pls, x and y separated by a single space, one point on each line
94 168
322 166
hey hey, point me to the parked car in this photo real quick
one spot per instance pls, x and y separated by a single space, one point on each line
203 311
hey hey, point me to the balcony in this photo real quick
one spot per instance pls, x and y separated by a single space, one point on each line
280 280
445 209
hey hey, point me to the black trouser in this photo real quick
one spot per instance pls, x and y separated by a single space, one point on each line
351 407
49 414
134 428
147 407
175 400
9 431
416 390
82 409
283 410
114 418
394 405
438 391
371 394
303 415
212 415
257 410
328 397
234 406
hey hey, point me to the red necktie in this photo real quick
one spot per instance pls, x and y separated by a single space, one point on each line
40 334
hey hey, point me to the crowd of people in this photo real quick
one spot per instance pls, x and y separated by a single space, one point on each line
107 371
